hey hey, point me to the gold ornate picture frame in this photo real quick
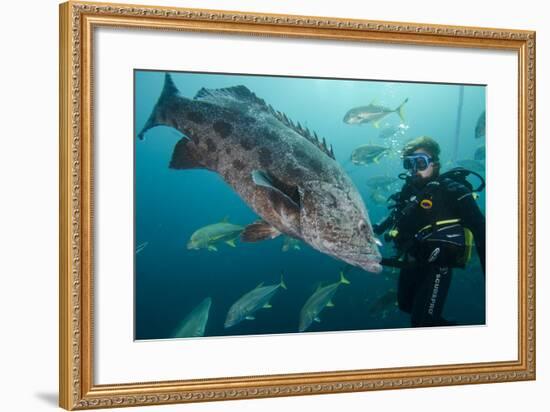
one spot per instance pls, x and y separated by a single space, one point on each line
78 298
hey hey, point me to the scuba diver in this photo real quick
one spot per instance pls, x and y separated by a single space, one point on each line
433 223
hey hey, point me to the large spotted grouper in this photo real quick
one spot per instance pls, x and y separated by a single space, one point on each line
280 169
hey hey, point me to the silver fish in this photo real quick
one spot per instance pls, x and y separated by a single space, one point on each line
141 247
474 165
285 174
249 303
372 113
480 126
209 236
393 131
384 304
369 153
480 153
320 299
195 322
381 182
378 198
289 243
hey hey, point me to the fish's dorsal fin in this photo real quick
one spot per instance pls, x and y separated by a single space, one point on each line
374 102
259 285
234 98
231 97
306 134
225 219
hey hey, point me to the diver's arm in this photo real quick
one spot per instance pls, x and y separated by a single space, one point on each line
384 225
474 220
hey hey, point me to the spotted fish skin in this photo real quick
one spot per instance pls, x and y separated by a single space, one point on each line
283 171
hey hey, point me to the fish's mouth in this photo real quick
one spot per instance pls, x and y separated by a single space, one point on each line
368 261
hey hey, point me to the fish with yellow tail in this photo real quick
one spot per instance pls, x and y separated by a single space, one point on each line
372 113
251 302
320 299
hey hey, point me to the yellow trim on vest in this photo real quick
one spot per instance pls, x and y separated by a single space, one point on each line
446 222
393 233
426 203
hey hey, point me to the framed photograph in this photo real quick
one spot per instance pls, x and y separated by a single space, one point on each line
260 205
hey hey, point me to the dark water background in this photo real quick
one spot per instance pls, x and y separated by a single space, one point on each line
171 204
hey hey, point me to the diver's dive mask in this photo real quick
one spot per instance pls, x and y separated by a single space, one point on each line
416 162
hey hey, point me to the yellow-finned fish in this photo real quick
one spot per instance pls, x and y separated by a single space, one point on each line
320 299
249 303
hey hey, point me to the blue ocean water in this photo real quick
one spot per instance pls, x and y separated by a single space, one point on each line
170 205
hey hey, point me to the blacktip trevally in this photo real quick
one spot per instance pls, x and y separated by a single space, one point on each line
480 126
194 324
372 113
280 169
141 247
480 153
250 302
471 164
207 237
320 299
290 243
381 182
368 153
378 198
385 303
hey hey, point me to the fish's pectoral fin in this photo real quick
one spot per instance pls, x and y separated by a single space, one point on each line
316 319
267 306
250 318
330 304
258 231
231 242
212 248
284 198
186 155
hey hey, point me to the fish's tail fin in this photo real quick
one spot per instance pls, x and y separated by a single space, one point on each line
169 92
283 284
343 279
400 110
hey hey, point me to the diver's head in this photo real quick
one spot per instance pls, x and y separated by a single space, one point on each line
421 158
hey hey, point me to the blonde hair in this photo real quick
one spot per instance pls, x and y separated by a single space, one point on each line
423 142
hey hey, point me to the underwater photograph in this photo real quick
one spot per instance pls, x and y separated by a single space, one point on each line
280 204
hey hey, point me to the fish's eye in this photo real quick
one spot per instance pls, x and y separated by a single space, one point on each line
362 225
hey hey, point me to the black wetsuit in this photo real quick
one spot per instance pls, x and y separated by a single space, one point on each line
425 276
